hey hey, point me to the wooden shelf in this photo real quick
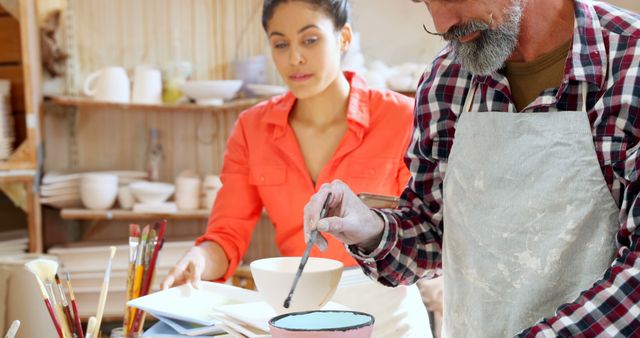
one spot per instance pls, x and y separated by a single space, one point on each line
119 214
83 102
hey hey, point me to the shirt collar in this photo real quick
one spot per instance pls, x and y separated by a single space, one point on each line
279 107
588 53
588 56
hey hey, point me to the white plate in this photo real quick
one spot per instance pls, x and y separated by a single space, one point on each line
162 330
64 191
63 201
193 305
61 185
57 177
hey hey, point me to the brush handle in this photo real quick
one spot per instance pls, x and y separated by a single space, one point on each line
102 301
138 318
76 316
66 330
137 286
305 257
52 313
13 329
91 325
67 314
127 310
303 262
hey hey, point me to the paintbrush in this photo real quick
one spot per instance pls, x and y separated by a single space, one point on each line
13 329
48 271
65 305
158 242
48 281
137 283
305 256
41 267
134 239
74 306
103 293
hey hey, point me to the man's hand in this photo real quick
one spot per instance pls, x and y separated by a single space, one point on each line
348 218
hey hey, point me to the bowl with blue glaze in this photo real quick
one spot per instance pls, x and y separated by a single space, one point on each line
322 324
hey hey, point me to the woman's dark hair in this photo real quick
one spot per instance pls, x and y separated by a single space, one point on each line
338 10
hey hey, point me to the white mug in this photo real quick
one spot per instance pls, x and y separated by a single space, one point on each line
111 85
147 85
188 192
125 197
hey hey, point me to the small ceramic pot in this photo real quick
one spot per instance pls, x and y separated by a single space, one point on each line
322 324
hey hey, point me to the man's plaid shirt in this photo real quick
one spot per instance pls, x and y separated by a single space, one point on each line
605 54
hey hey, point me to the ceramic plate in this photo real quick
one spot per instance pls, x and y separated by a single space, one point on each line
193 305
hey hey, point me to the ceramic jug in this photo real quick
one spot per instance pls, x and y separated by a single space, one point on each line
109 84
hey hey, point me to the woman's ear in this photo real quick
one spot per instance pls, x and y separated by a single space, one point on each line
345 38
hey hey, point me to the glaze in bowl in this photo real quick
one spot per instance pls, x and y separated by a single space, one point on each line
322 324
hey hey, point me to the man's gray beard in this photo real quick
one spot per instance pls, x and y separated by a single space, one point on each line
489 51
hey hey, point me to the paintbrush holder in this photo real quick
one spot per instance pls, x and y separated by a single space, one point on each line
21 299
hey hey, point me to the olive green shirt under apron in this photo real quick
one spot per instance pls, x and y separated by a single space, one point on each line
528 79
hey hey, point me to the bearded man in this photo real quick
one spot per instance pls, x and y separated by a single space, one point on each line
524 163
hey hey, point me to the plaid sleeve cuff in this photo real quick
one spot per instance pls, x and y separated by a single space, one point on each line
387 242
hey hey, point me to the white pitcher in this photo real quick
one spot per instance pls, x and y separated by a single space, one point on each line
110 84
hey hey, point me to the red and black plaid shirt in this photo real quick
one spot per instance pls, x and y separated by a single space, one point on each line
606 55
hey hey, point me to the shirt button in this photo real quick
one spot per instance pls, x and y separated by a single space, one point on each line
261 178
372 171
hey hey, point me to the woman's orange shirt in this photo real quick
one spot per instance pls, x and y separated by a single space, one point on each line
263 167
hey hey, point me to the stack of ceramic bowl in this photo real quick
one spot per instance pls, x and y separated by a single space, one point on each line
62 190
14 242
86 264
6 120
152 197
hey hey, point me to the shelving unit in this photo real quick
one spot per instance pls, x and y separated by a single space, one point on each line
20 63
119 214
83 102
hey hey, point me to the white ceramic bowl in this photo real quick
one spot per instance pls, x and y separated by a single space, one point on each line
203 91
98 196
317 284
151 192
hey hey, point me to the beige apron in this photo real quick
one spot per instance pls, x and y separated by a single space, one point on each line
398 312
529 220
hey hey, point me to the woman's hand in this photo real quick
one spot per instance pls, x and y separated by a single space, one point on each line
206 261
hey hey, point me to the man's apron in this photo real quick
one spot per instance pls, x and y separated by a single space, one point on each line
398 312
529 220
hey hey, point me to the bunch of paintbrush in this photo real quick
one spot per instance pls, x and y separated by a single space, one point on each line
144 248
67 324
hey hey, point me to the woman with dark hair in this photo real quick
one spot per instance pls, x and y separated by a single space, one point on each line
328 126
